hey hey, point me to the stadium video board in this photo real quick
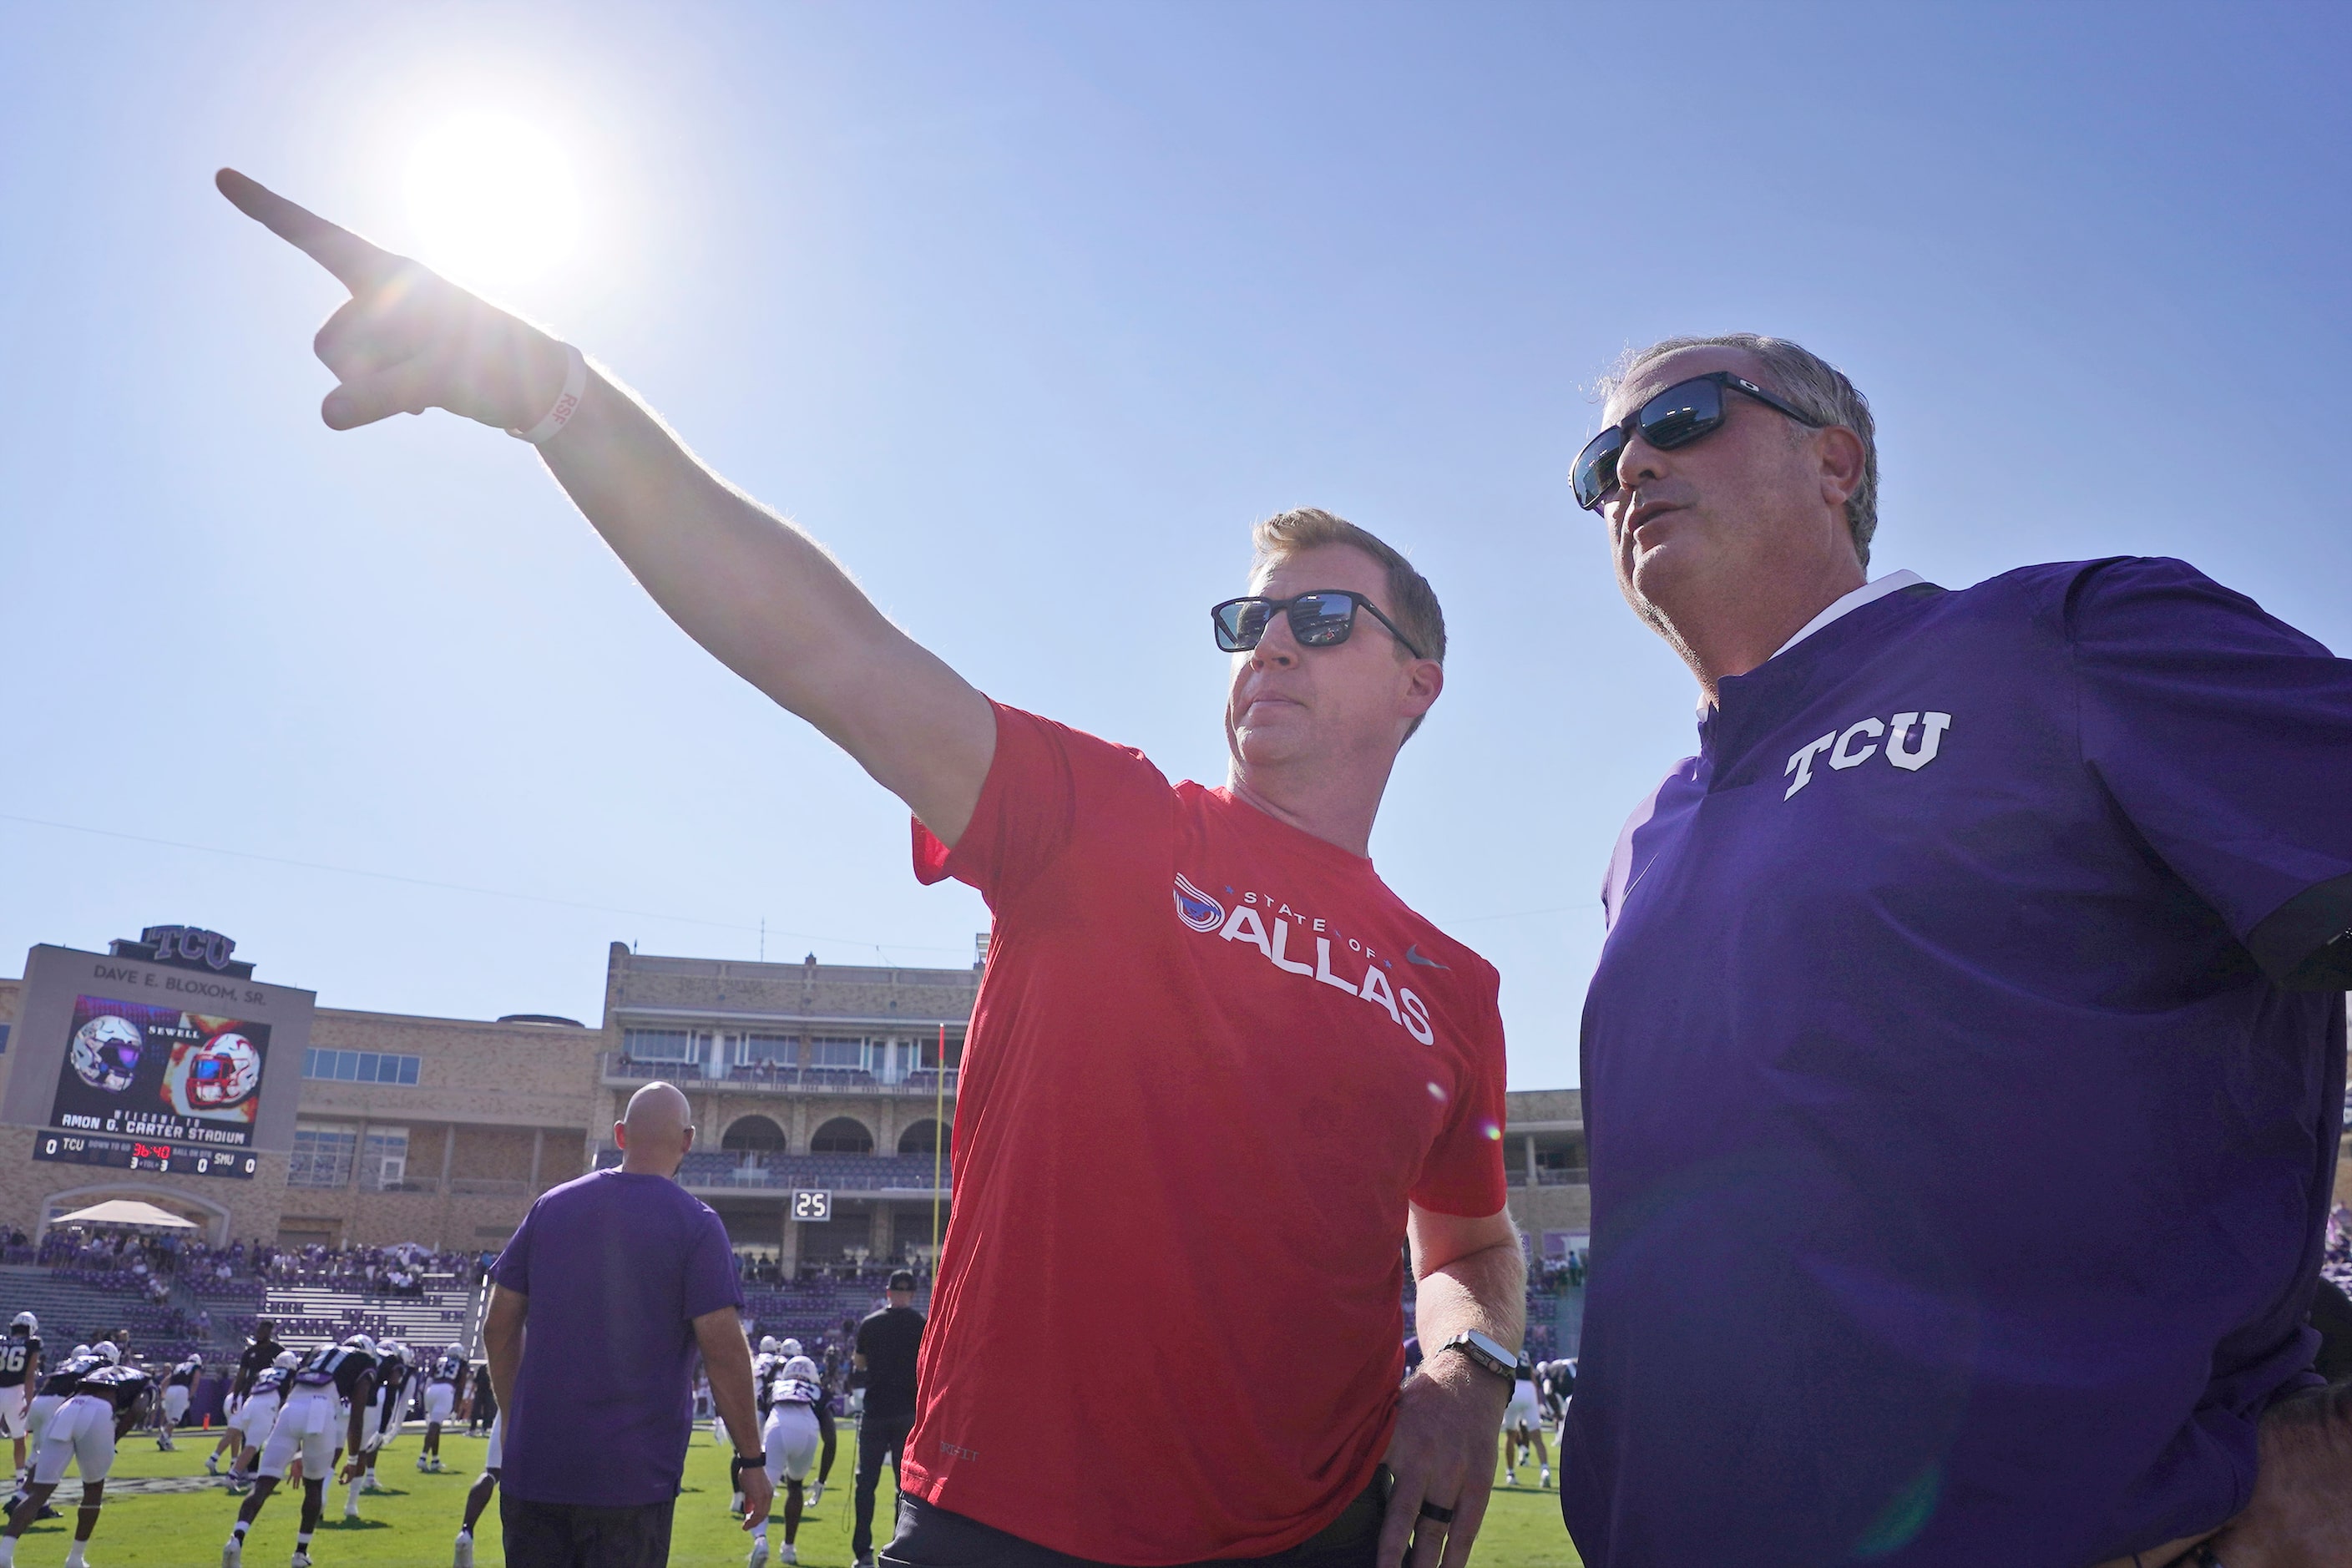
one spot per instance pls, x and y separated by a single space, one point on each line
142 1064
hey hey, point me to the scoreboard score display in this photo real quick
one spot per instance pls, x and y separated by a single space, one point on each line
811 1205
133 1154
162 1055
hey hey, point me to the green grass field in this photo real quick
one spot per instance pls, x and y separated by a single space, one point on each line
415 1521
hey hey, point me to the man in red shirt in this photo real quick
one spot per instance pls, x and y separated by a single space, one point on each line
1214 1058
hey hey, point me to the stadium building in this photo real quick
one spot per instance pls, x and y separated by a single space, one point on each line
821 1092
823 1097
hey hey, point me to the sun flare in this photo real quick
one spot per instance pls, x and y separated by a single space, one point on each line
493 199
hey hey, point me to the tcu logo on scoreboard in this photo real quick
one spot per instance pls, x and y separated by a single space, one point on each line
1859 742
189 944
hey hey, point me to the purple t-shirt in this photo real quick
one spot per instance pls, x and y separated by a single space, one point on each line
1961 1160
617 1267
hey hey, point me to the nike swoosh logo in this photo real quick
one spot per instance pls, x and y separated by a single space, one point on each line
1413 955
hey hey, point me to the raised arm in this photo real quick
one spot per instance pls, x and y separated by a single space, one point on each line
763 596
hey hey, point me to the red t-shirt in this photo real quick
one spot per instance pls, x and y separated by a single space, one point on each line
1212 1060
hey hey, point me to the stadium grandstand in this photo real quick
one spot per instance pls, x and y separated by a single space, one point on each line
824 1097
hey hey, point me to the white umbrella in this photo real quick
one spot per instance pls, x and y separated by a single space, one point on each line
128 1212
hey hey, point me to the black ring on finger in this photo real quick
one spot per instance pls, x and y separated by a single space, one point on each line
1442 1515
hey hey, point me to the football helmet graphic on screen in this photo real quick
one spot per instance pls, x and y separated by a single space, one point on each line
105 1053
226 1070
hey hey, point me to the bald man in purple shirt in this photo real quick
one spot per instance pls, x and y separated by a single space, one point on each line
599 1304
1964 1067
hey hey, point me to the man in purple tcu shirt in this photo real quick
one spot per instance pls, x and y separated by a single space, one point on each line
600 1301
1964 1067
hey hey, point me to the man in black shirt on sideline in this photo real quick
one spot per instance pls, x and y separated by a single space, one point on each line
888 1343
257 1357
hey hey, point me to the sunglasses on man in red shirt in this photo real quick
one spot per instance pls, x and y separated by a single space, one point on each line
1323 618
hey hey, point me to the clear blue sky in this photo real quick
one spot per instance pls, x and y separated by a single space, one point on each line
1028 312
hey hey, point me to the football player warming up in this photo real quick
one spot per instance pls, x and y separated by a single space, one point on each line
250 1425
103 1398
53 1390
383 1421
791 1438
20 1366
443 1385
259 1355
824 1428
765 1365
477 1496
178 1389
1522 1424
304 1432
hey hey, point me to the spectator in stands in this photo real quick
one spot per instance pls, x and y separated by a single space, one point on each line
1232 1084
599 1304
888 1342
2058 866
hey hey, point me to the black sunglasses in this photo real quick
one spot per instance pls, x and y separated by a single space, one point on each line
1320 620
1674 417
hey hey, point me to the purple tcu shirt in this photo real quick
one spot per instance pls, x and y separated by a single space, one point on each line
617 1267
1963 1079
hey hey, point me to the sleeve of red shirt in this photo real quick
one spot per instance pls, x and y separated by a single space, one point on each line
2226 737
1463 1174
1045 779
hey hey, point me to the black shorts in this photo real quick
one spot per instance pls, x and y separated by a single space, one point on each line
578 1535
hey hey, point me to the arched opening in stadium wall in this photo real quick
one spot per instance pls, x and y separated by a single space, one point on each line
842 1136
753 1133
923 1137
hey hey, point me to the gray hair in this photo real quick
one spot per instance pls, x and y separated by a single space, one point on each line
1810 383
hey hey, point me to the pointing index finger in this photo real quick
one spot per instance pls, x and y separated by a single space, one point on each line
354 262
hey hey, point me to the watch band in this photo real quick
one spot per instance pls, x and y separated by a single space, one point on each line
1486 1352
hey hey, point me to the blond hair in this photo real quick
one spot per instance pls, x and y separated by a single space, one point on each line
1413 602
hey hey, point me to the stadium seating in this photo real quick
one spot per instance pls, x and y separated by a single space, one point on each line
843 1173
73 1309
447 1313
810 1309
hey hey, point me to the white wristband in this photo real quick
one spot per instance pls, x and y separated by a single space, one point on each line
575 387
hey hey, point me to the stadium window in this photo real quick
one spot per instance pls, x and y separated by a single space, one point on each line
383 1162
835 1053
324 1153
658 1045
890 1060
4 1039
766 1048
361 1066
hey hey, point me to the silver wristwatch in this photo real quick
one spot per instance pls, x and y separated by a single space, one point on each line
1486 1352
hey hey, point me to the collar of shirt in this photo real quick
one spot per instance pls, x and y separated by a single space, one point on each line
1876 588
1845 604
